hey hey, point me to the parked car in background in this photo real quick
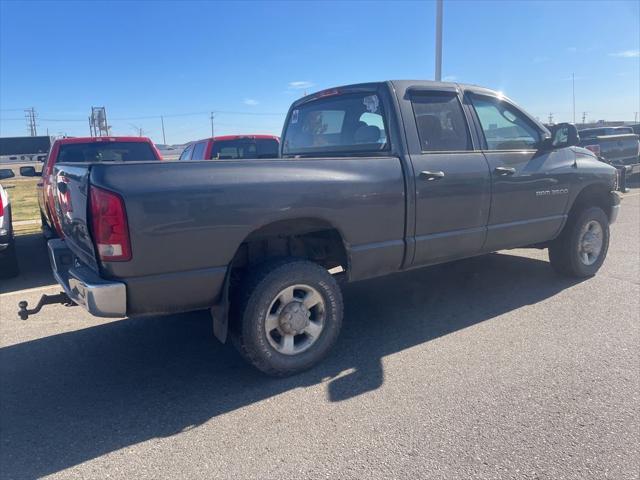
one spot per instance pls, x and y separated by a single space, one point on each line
617 146
232 147
374 179
8 259
85 149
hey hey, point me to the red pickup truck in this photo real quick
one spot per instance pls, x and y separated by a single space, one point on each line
91 150
232 147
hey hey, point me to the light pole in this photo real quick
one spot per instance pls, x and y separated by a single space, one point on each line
438 40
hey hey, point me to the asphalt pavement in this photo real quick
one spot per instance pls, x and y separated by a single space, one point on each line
493 367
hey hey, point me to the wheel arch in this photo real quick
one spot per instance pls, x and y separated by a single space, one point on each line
311 238
596 194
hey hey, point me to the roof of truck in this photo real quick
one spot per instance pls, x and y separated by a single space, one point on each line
251 136
64 141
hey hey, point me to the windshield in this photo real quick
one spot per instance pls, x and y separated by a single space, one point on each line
349 123
105 152
245 148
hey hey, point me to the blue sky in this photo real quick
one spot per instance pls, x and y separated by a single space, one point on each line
249 60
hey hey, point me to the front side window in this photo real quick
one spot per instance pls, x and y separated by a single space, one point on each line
441 123
186 153
504 127
349 123
198 151
105 152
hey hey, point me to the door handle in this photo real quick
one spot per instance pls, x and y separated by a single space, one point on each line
504 171
430 176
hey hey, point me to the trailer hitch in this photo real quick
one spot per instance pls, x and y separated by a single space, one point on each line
60 298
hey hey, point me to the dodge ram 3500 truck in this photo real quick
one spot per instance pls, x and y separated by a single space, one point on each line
373 179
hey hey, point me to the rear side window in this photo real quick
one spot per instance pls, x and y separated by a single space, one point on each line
504 127
349 123
440 122
198 151
245 148
106 152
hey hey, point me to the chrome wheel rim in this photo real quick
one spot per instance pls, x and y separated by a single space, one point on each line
590 242
295 319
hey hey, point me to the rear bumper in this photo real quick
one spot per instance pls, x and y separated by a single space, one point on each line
100 297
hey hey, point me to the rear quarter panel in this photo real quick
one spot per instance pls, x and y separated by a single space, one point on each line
189 216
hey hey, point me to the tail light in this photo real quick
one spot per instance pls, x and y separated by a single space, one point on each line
110 229
1 206
594 148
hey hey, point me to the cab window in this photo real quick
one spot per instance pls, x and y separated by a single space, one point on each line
440 122
186 153
337 124
505 127
198 151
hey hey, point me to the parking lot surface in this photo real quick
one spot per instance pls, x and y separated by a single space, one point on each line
492 367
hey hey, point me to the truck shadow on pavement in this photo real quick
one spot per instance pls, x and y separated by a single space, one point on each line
33 261
73 397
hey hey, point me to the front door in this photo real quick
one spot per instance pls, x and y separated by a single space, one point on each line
530 188
452 181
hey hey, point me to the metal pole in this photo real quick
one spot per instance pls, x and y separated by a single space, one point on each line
212 117
438 40
573 82
164 140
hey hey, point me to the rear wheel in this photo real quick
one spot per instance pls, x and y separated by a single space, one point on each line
582 246
288 317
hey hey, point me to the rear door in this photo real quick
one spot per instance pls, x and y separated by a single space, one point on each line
452 181
530 187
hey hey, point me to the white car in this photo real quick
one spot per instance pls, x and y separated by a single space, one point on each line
8 260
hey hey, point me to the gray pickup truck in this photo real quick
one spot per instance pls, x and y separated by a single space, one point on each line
618 146
373 179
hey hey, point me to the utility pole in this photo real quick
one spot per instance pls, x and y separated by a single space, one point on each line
212 117
573 83
30 115
551 119
438 40
584 117
635 117
164 140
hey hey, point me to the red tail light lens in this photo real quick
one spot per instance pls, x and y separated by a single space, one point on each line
1 207
110 229
594 148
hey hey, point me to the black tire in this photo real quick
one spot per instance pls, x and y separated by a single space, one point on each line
564 251
9 262
255 296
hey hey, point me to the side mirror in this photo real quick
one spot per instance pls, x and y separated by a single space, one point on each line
564 135
6 173
29 172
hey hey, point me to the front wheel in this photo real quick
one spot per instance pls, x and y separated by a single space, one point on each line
288 317
582 246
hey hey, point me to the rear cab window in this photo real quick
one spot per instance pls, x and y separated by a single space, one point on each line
348 123
245 148
105 152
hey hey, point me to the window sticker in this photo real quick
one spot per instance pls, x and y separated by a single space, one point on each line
372 103
294 116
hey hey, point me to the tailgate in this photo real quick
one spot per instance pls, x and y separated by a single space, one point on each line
71 197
